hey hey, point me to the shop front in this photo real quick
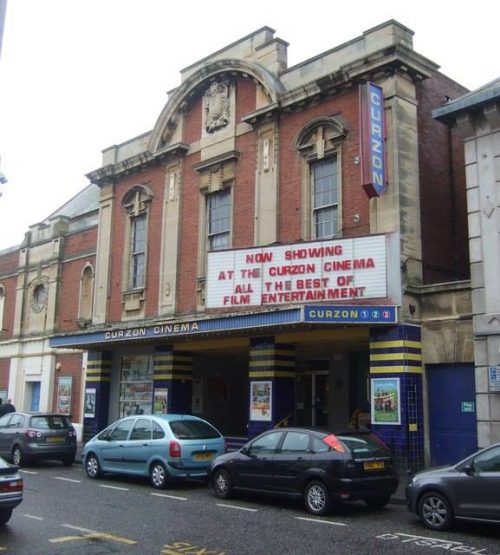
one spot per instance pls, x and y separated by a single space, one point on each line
310 365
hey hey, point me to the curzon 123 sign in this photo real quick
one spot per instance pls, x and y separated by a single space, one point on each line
372 139
334 271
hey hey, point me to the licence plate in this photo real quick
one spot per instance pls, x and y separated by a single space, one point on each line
204 456
55 439
378 465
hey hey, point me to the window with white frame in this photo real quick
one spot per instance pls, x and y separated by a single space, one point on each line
324 198
219 220
319 144
86 294
137 251
136 203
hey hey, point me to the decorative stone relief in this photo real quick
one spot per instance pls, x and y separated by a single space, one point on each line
171 186
266 160
38 296
217 106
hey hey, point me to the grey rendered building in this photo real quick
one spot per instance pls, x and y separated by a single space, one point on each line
477 115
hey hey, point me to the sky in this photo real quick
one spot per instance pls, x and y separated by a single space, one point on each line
77 76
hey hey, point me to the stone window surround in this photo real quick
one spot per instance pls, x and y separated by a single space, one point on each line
319 139
136 202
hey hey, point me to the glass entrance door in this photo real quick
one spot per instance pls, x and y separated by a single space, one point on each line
313 399
34 403
320 399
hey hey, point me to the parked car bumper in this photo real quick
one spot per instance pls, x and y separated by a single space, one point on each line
411 498
11 500
177 470
38 451
362 488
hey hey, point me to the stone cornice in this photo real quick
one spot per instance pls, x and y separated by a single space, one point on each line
377 65
221 159
110 173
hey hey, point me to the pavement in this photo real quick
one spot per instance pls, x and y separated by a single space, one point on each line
397 498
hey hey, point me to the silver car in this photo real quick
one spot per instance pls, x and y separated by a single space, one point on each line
11 490
467 490
28 437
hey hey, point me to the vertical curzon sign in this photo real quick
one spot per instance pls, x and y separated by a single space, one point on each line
372 139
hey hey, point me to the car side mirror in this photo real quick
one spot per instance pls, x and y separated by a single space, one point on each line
244 451
468 469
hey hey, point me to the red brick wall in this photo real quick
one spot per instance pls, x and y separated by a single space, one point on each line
245 98
155 179
4 373
193 121
71 365
353 198
10 286
243 195
68 299
81 242
69 293
9 264
442 186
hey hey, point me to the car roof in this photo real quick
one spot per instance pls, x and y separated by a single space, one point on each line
166 417
324 431
39 414
169 417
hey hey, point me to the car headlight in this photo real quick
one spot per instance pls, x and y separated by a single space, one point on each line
411 481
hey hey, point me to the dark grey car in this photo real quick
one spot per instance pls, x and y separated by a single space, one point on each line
35 436
468 490
316 465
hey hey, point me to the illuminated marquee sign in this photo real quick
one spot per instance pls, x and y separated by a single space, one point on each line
372 139
336 271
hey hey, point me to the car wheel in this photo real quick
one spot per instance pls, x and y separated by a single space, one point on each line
5 515
317 498
377 502
223 484
17 456
435 511
92 466
158 475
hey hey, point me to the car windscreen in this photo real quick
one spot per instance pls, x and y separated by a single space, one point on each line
50 422
193 429
363 445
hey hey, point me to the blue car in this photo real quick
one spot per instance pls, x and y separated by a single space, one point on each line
163 447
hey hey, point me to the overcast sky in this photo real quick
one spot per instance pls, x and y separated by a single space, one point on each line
77 76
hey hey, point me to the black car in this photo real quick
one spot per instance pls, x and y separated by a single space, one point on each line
11 490
314 464
467 490
35 436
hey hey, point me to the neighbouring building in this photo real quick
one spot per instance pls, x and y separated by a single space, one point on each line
477 116
286 245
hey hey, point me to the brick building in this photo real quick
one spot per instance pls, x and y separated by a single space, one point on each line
285 245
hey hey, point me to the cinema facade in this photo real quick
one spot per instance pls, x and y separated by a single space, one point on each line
285 246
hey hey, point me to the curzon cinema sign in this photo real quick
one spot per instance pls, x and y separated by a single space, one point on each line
372 139
335 271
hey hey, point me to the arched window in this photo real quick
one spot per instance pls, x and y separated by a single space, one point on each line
86 295
136 203
319 143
